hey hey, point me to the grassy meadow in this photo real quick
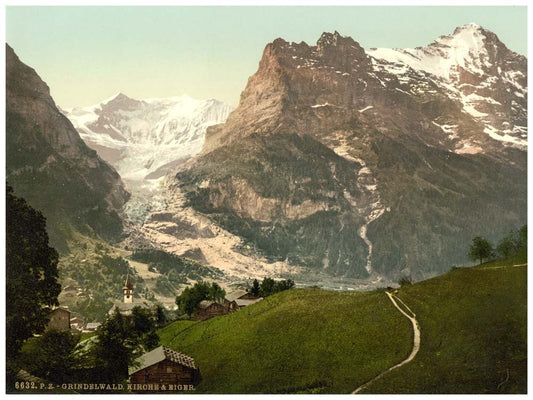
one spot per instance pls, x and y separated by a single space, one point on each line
297 341
473 333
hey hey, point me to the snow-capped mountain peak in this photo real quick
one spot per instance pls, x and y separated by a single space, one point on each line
474 67
469 48
143 138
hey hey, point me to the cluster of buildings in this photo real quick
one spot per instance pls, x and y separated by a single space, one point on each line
233 302
61 319
162 366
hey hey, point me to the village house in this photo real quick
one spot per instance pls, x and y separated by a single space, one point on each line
91 327
77 324
59 319
233 302
209 309
164 366
243 298
128 304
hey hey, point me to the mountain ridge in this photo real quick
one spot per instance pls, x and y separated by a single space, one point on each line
425 156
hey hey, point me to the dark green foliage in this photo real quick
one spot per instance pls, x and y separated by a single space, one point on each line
512 243
269 286
141 321
31 273
175 269
51 356
120 340
104 276
522 236
189 299
507 246
255 288
113 351
480 249
216 293
161 317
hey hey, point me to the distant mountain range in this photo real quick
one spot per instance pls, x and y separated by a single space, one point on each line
143 139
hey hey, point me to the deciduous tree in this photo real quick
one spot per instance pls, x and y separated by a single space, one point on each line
31 273
480 249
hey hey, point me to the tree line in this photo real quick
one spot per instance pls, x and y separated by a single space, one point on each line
189 300
511 244
269 287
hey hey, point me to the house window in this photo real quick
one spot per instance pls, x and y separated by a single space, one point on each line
169 369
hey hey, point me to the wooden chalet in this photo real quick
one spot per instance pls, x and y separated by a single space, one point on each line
233 302
164 366
209 309
242 298
91 327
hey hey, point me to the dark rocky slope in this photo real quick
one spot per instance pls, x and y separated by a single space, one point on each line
48 164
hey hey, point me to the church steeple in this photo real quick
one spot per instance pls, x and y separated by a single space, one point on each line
127 290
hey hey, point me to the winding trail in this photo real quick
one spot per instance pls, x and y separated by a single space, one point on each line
416 341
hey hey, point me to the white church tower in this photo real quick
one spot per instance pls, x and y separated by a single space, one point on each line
127 290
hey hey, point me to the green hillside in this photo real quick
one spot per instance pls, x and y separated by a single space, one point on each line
473 339
309 341
474 334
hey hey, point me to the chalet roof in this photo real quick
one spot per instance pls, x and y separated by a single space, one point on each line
247 302
205 303
157 355
128 284
92 325
26 376
235 295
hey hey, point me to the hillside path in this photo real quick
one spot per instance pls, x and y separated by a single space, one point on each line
505 266
416 341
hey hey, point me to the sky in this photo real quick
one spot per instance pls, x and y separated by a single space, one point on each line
88 54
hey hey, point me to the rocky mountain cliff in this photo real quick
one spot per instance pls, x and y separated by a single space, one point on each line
367 164
49 165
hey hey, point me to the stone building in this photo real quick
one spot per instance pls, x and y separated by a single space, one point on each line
59 319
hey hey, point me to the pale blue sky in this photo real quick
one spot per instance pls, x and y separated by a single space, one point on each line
87 54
